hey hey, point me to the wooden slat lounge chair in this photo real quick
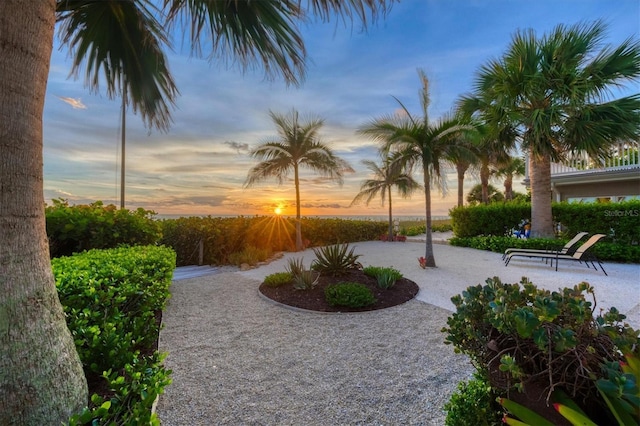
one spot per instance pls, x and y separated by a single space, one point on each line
582 254
568 248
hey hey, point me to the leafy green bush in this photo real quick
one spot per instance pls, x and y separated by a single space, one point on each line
603 250
249 255
72 229
473 403
222 236
352 295
278 279
386 277
617 220
335 259
521 336
111 300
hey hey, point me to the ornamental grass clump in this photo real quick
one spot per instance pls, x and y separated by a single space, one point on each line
335 259
349 294
303 279
386 277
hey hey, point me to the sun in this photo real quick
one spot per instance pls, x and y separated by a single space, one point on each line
278 211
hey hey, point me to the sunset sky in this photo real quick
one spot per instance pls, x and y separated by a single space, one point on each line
200 165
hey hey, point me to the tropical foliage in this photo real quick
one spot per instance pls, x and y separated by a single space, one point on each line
250 33
298 145
552 93
418 141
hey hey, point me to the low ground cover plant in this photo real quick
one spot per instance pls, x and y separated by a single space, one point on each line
113 300
349 294
278 279
386 277
250 255
473 403
530 342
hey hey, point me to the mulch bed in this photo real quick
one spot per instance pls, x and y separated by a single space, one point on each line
314 300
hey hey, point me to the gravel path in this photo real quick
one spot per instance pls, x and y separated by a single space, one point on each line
238 359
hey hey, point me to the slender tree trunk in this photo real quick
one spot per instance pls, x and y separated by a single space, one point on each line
41 377
298 220
430 259
461 167
540 180
390 216
485 173
508 187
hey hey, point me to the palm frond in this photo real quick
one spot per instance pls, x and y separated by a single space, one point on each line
123 41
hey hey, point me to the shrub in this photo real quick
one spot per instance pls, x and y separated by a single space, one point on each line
529 338
348 294
72 229
473 403
386 277
278 279
111 300
249 255
335 259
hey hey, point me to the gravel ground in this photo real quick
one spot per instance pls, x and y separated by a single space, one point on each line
238 359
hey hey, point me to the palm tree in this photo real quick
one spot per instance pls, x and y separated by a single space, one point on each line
514 166
554 93
419 141
42 381
298 145
385 177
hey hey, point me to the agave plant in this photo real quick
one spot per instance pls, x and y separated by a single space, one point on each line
335 259
303 279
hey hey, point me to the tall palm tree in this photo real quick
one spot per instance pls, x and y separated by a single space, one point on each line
298 146
554 93
421 142
514 166
41 379
385 176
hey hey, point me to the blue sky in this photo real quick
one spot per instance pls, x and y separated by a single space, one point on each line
200 165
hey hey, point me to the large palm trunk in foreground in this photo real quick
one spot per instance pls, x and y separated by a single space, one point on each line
430 259
41 378
540 181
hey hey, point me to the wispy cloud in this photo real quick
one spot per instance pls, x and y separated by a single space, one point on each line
75 103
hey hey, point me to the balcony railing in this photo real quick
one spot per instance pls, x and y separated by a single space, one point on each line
623 155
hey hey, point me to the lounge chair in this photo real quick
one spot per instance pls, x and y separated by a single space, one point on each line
568 248
582 254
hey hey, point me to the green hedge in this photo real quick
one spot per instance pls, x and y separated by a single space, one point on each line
112 300
223 237
603 250
619 221
72 229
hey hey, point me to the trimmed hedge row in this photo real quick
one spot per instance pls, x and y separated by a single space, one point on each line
72 229
112 300
603 250
222 237
620 221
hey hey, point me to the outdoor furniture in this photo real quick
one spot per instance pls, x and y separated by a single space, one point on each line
568 248
582 254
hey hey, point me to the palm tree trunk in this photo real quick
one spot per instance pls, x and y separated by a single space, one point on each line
485 173
390 216
461 168
508 187
540 177
41 377
298 219
430 259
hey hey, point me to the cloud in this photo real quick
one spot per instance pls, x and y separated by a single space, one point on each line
238 146
75 103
